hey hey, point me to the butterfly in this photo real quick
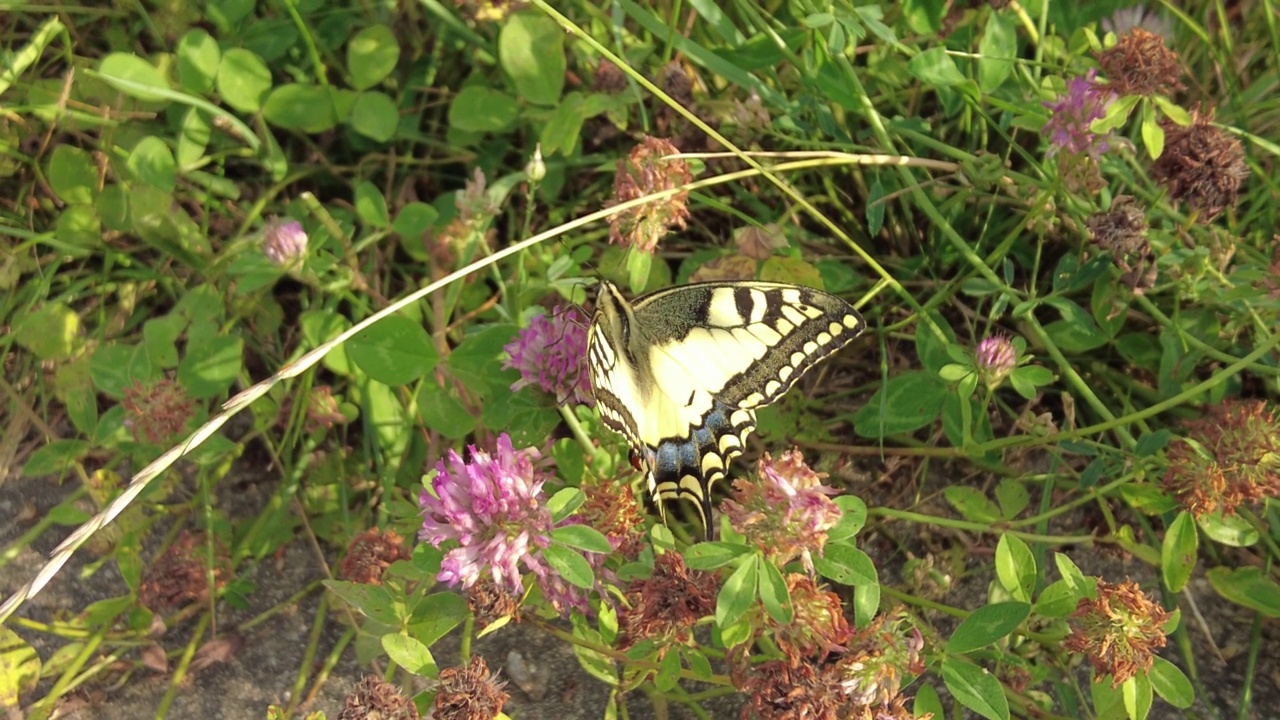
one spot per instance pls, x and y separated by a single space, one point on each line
681 372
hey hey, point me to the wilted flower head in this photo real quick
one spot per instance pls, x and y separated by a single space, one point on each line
611 507
494 508
551 353
374 697
725 267
470 693
1140 64
179 576
1118 631
370 554
818 625
786 512
668 603
759 242
1125 19
489 602
1201 165
1068 126
474 204
994 359
284 242
157 412
864 684
782 691
608 78
1242 464
642 173
880 656
1122 233
322 411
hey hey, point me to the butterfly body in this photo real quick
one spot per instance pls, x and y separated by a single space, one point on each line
680 372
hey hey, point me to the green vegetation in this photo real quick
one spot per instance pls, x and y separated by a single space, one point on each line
358 226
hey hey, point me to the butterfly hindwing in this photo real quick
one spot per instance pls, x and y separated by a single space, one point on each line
680 372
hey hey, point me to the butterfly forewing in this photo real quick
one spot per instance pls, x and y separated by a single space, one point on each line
681 372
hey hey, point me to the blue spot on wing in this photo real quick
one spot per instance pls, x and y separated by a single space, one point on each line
675 459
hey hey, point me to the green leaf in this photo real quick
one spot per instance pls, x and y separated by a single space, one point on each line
50 333
932 349
396 351
668 675
210 367
531 50
1171 684
560 134
565 502
853 516
371 56
1016 567
479 109
375 116
986 625
294 106
1152 133
73 175
371 206
1012 496
582 538
152 162
1230 530
1248 587
443 412
712 555
1152 442
243 80
78 232
908 402
1076 336
198 59
138 74
55 458
738 593
846 564
934 67
996 51
1057 600
1137 696
972 504
19 668
114 368
773 592
1173 112
1178 551
160 338
410 654
1117 114
927 702
438 613
698 663
975 688
193 138
572 567
373 601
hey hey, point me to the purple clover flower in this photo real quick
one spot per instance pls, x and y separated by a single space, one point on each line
494 508
1068 128
994 359
551 354
284 242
